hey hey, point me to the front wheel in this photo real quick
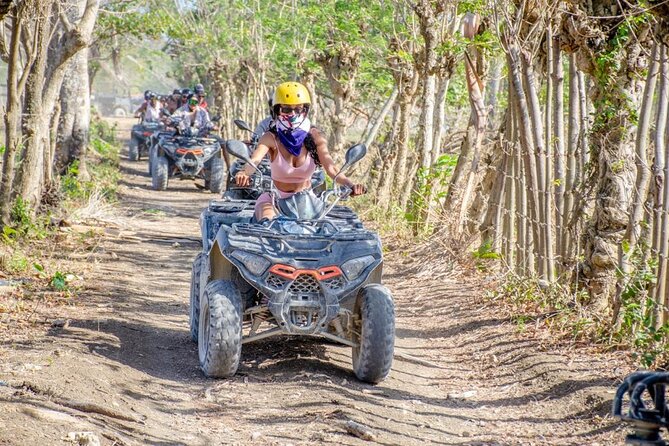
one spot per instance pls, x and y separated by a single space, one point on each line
133 150
159 172
220 332
374 331
194 315
215 181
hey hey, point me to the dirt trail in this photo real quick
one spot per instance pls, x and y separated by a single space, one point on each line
123 365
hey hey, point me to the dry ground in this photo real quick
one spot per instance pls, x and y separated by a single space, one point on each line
118 361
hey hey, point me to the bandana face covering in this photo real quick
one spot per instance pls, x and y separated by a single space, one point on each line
292 131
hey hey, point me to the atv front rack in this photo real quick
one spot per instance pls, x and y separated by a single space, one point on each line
647 412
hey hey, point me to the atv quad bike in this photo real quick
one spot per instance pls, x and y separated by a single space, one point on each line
140 139
187 157
260 183
313 271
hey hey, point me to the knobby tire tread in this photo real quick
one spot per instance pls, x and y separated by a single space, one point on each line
224 345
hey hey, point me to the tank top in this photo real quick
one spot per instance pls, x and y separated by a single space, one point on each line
283 170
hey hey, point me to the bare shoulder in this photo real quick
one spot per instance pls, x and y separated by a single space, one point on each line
318 136
267 139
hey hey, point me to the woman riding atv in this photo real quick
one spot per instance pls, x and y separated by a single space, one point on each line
295 149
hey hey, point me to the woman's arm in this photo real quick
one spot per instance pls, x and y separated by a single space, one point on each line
329 166
264 146
326 159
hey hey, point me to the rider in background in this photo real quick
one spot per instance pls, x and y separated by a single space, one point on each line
185 92
139 113
263 126
295 149
193 116
174 101
152 110
199 92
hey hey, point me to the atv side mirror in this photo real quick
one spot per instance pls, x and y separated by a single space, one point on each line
353 155
241 151
240 123
216 118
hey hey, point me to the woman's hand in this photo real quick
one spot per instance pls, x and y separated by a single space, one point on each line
242 179
358 189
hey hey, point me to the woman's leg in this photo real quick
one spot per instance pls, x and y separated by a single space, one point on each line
265 207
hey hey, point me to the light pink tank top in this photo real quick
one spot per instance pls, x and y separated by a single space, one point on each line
283 170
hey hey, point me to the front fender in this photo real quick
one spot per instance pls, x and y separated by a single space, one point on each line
220 268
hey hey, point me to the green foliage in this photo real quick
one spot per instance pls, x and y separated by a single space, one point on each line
484 254
103 166
638 310
59 281
17 263
2 149
559 307
23 225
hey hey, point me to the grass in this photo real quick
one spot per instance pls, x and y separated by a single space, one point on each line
34 250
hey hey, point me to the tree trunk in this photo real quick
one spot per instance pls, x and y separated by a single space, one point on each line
527 143
340 63
73 133
388 170
44 82
464 177
12 119
659 185
558 140
545 241
439 116
626 250
369 139
571 174
612 143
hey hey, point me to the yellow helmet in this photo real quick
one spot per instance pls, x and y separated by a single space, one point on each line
291 93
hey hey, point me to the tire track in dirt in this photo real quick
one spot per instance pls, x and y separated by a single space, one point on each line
462 374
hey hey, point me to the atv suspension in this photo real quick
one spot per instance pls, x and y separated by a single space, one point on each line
647 412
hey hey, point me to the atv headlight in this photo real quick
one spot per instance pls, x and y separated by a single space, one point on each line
254 263
352 268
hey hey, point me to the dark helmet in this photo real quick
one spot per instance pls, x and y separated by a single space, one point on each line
147 94
186 92
199 90
176 92
192 99
153 95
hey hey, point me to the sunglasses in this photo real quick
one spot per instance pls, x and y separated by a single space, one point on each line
288 110
193 102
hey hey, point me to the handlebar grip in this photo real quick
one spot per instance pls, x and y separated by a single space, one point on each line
345 192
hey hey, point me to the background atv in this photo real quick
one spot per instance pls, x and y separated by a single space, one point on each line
303 276
260 181
140 139
187 157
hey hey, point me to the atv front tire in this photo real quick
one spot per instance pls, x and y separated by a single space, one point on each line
220 333
133 150
194 316
375 313
216 175
150 157
159 172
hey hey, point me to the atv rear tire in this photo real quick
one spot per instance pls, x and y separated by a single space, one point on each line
216 176
133 150
159 172
220 332
376 313
194 314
